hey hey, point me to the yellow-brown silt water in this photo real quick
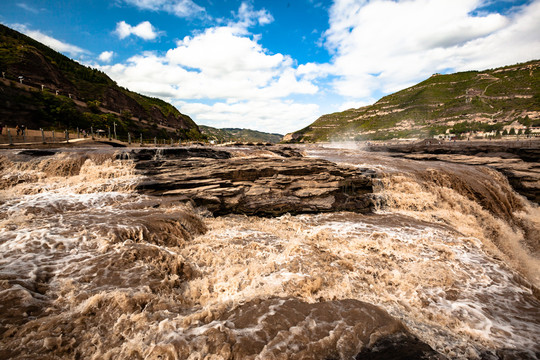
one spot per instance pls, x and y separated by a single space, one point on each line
91 269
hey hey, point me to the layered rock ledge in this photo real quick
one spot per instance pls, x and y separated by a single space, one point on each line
280 182
519 161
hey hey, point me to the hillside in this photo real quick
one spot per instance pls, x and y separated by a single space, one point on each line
240 135
468 101
41 88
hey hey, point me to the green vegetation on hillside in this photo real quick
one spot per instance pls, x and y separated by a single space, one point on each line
461 102
15 45
87 98
239 135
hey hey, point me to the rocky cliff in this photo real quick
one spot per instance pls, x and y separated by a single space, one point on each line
483 101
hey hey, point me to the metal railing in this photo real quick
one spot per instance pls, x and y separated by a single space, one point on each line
14 136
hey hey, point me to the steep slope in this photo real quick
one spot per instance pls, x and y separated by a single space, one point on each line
473 100
43 88
242 135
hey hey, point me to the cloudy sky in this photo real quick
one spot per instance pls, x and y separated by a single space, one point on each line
277 65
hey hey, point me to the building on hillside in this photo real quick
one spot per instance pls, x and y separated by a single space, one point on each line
431 142
516 126
484 134
535 131
446 136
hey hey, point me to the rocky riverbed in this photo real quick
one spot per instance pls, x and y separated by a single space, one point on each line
105 257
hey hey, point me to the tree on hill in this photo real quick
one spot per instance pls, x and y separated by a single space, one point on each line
525 121
126 115
93 106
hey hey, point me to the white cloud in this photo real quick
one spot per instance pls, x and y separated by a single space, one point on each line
27 7
106 56
223 50
227 66
144 30
273 116
217 64
517 42
180 8
249 16
312 71
51 42
384 46
183 8
123 29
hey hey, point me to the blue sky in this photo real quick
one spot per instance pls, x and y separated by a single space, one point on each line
277 65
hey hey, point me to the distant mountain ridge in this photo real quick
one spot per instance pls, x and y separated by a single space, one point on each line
467 101
241 135
43 88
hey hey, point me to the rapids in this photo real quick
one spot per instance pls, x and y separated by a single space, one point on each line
91 269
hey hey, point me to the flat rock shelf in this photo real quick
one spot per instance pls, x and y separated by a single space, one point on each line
254 185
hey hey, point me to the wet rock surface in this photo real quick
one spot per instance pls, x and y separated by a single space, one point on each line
293 329
519 161
399 346
254 185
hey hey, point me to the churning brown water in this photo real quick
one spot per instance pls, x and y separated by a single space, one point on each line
91 269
